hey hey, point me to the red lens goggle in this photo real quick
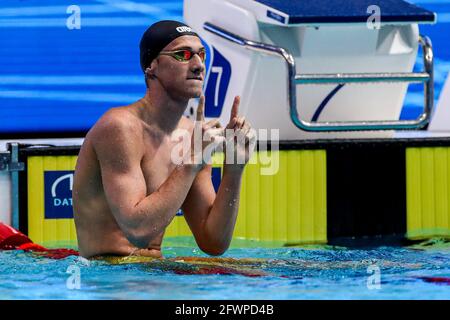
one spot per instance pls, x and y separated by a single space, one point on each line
185 55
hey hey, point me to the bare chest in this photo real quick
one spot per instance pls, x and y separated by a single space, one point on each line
157 165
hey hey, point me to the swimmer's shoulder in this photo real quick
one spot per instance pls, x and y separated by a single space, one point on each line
116 125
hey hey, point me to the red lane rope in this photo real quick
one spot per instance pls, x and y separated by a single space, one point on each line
12 239
438 280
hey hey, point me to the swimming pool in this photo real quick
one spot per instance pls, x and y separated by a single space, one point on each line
314 272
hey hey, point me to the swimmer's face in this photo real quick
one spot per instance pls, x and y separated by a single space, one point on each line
181 79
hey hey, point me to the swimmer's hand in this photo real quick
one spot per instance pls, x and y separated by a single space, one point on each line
206 137
240 138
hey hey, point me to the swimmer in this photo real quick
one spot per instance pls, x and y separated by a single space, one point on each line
127 188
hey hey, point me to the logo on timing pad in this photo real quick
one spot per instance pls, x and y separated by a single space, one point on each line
58 194
184 29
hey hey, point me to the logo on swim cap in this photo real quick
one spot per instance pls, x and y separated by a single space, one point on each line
184 29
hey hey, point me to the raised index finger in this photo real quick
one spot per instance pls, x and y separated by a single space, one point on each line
200 109
235 107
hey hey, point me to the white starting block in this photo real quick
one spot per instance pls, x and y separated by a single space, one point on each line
440 121
316 66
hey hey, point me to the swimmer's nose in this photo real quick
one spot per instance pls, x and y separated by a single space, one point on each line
197 65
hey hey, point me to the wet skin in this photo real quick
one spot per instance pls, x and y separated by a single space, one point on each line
126 187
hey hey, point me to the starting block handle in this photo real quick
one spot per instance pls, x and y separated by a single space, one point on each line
294 79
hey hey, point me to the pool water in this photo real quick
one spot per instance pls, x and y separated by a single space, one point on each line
310 272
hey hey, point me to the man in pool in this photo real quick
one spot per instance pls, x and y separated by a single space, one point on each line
128 188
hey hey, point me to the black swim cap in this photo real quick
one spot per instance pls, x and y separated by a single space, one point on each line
159 35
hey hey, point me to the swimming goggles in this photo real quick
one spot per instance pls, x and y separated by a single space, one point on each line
184 55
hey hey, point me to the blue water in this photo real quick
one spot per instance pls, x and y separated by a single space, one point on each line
317 272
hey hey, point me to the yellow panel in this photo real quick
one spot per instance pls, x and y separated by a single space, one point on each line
320 197
441 189
307 197
293 196
43 230
49 224
35 203
427 167
287 206
252 211
448 185
266 206
280 205
428 179
413 199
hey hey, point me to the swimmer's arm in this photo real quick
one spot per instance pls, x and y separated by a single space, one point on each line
140 216
212 217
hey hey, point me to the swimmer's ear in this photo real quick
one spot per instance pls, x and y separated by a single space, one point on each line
150 71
